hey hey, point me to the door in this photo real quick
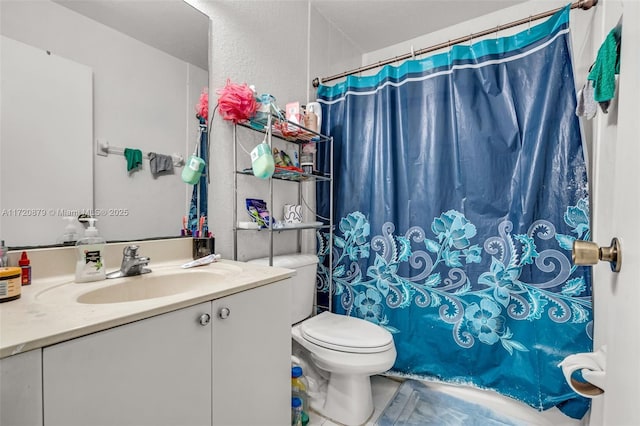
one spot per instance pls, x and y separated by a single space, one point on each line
616 208
252 357
21 389
152 372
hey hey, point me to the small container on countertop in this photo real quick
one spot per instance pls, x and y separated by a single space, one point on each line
25 269
10 286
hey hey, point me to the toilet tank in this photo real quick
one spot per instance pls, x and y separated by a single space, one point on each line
303 285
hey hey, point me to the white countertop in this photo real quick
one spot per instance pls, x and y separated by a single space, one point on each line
48 313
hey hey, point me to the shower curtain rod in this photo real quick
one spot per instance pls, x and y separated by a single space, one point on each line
582 4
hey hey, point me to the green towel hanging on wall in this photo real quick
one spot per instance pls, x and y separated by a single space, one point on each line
604 70
134 158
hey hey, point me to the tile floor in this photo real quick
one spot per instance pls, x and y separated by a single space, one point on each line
384 389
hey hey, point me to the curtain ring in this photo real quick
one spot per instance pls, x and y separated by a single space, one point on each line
529 28
497 29
413 53
471 40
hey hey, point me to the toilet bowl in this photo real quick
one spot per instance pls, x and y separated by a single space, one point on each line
351 350
346 350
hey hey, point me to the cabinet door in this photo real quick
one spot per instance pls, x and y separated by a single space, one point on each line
21 389
252 357
152 372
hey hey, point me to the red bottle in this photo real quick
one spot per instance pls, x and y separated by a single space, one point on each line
25 266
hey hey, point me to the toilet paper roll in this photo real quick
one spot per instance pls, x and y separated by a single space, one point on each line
592 365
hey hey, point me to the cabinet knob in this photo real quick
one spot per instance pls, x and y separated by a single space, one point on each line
204 319
224 313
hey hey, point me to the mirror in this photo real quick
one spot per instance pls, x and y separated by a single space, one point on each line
82 75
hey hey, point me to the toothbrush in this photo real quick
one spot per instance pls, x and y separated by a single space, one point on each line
200 225
202 261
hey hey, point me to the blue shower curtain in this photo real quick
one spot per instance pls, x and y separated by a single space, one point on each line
460 185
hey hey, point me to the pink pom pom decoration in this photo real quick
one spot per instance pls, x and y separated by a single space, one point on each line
236 102
202 109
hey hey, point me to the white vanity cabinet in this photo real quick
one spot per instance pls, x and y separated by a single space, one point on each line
155 371
252 357
21 389
224 362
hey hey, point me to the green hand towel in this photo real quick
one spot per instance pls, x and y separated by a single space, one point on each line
134 158
604 70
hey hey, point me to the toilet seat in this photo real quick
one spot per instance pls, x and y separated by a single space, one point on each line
346 334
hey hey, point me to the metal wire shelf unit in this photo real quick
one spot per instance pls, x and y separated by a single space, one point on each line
273 126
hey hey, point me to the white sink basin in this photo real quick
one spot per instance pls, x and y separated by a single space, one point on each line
149 286
141 287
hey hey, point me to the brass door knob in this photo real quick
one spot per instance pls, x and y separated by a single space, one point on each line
588 253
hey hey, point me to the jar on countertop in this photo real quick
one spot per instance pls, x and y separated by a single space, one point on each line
10 283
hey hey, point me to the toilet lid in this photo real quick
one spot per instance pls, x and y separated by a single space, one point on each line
346 334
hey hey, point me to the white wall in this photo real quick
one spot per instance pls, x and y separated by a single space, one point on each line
143 98
278 46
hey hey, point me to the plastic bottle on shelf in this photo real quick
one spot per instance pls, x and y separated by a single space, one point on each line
315 109
311 121
299 387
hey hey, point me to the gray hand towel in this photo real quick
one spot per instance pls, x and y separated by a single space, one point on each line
159 163
587 106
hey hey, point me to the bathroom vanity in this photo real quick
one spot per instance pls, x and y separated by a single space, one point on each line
215 354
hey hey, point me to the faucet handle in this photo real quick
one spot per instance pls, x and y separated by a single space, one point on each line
130 251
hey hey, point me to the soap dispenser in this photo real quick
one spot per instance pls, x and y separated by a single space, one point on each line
90 266
70 235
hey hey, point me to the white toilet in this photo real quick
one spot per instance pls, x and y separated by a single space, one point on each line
347 350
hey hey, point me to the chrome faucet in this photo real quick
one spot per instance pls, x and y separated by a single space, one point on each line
132 264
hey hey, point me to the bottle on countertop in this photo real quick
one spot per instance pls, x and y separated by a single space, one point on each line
10 288
90 249
70 234
4 255
25 269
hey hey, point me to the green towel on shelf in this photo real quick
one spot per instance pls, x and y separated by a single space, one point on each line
134 158
604 70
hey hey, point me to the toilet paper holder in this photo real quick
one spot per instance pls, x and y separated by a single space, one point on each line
588 253
592 366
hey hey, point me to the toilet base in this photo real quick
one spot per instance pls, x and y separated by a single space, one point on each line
349 399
